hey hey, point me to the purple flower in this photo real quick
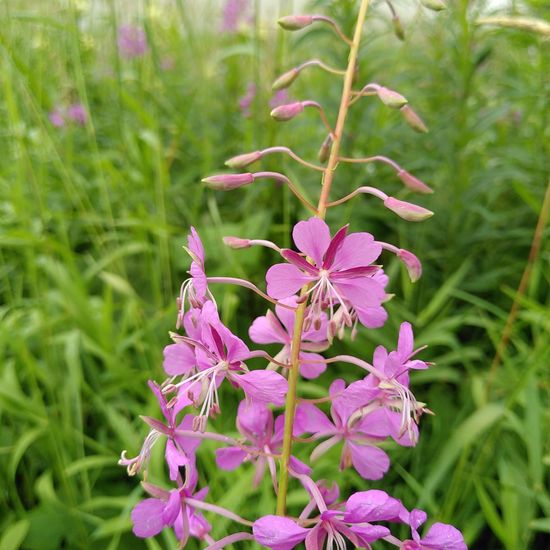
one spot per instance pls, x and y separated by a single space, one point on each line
219 354
233 12
56 117
388 385
339 273
333 525
179 451
171 509
278 328
132 41
440 536
77 113
360 433
255 423
245 103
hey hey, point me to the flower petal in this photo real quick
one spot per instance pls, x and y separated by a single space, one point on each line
174 458
254 420
284 280
178 359
370 462
312 237
312 365
266 386
444 537
230 458
278 533
374 505
310 419
358 249
362 292
372 317
264 330
147 517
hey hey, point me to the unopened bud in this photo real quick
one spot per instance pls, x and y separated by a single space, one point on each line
295 22
413 183
398 28
391 98
413 120
227 182
324 151
236 242
288 111
407 211
285 80
242 161
412 263
435 5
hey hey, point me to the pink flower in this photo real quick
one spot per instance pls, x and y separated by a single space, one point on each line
179 451
171 509
280 97
278 328
132 41
56 117
219 354
233 12
334 525
360 433
340 271
255 423
440 536
390 384
77 113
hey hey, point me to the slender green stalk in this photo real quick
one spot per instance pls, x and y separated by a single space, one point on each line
328 175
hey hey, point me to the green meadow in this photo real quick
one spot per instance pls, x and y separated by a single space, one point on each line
93 218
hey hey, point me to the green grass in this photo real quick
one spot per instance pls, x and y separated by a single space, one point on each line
92 221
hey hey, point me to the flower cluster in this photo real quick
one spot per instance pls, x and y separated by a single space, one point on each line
328 285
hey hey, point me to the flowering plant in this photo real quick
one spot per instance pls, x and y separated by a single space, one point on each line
332 283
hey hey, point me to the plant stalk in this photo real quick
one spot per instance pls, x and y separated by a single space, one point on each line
328 175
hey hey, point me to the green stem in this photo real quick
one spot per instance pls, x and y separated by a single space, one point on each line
328 175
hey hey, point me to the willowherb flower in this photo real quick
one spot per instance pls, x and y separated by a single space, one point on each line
56 117
132 41
77 113
440 536
359 433
234 11
278 328
263 439
246 101
339 272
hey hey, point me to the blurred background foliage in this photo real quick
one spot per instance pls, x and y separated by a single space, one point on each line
93 218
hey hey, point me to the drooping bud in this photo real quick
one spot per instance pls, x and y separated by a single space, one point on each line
295 22
413 183
324 150
413 120
434 5
407 211
391 98
242 161
227 182
285 80
288 111
398 28
236 242
412 263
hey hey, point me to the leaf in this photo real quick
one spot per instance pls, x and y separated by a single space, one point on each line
14 535
530 24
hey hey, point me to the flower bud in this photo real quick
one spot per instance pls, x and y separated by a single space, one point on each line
435 5
242 161
412 263
236 242
391 98
407 211
413 183
288 111
398 28
413 120
285 80
227 182
324 150
295 22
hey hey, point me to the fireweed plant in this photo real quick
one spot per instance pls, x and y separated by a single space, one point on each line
331 284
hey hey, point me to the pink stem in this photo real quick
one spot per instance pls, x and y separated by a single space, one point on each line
249 285
292 154
284 179
334 26
376 158
360 190
359 363
229 540
217 510
317 106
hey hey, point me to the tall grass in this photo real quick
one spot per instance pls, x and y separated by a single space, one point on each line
93 219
